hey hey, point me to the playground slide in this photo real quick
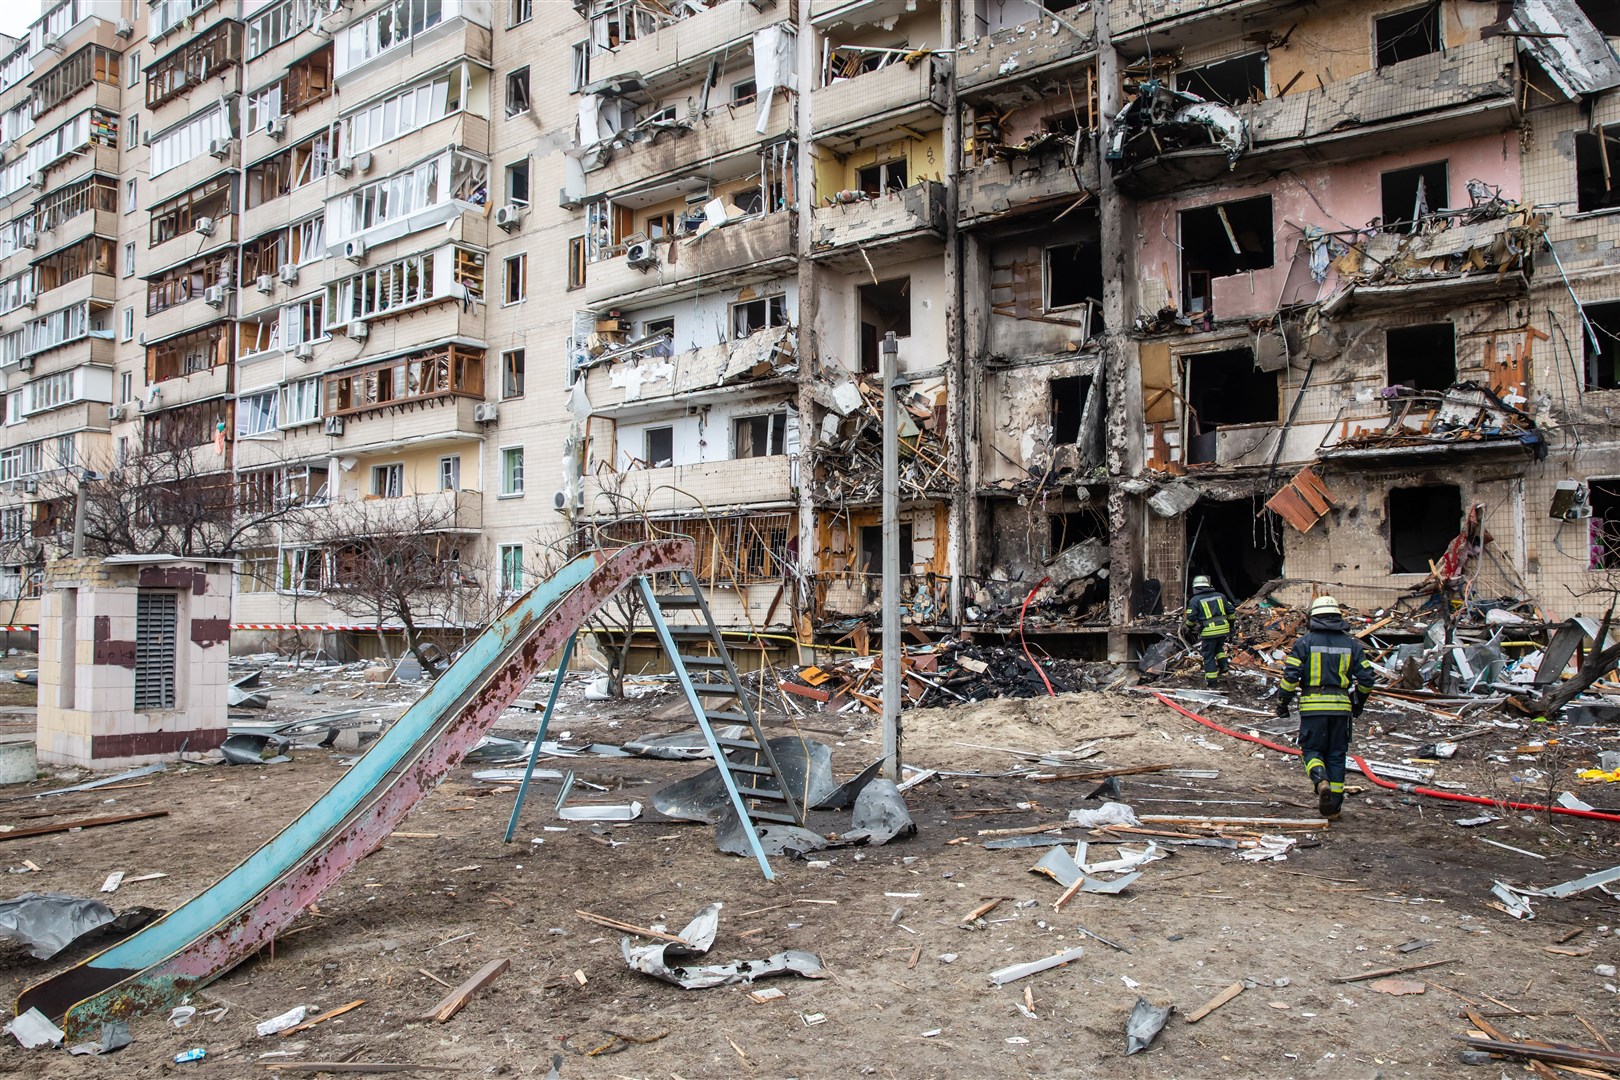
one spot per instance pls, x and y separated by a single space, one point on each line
209 935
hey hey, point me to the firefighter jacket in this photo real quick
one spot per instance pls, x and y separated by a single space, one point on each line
1209 613
1323 665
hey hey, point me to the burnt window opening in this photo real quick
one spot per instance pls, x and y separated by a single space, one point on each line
659 444
1073 527
1073 275
1604 498
884 306
1068 398
1411 194
1063 123
1225 388
1423 521
1603 15
759 436
1597 169
883 177
1219 241
1421 357
872 549
1234 81
1061 5
754 315
1602 359
1407 35
1236 544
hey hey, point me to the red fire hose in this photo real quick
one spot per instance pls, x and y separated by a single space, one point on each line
1027 654
1410 789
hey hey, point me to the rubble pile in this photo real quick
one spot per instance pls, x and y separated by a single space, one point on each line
848 455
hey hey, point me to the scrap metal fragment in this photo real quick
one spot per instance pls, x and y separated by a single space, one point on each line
1035 967
666 960
34 1030
48 922
1590 881
880 814
1143 1024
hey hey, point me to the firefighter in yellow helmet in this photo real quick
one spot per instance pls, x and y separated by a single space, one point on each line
1210 614
1330 672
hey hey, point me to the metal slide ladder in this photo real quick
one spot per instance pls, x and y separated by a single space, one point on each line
761 796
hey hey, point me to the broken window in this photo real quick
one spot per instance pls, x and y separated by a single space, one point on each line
1225 388
1422 523
517 183
1597 169
872 549
759 436
388 481
1407 35
576 263
1073 275
1219 241
1602 358
1237 80
884 306
758 314
517 93
1075 527
517 278
659 447
512 373
660 226
1603 14
883 177
1604 498
654 327
744 92
1421 357
1237 544
1412 194
1068 397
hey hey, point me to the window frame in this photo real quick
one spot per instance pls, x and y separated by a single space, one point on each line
511 483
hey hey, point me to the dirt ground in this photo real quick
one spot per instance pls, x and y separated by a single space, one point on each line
908 994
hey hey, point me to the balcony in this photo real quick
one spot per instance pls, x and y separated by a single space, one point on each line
681 51
419 423
1010 67
189 245
665 156
77 227
709 486
713 371
438 511
1164 25
79 416
755 249
99 288
212 382
203 167
900 224
1443 97
1012 185
889 99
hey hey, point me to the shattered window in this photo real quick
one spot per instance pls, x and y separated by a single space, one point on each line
883 177
758 314
884 307
1410 195
1604 15
759 436
517 93
1225 388
1222 240
1234 81
1068 396
1422 523
1597 169
1602 358
659 446
1073 275
1073 527
872 549
1407 35
1421 357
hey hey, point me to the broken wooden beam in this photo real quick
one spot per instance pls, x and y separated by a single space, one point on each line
457 999
629 928
1215 1002
1379 973
81 823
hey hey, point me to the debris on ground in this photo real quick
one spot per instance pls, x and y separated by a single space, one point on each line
1144 1024
48 922
668 960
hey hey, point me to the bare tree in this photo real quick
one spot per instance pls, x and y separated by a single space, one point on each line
403 562
155 497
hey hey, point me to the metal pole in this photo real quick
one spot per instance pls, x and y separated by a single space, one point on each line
78 519
891 561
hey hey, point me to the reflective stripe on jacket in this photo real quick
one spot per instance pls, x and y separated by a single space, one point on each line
1323 665
1210 612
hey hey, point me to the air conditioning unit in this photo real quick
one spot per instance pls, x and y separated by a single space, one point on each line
333 425
509 218
124 28
643 254
6 145
26 363
30 240
30 486
220 148
52 42
362 163
115 413
559 500
317 25
354 250
288 273
266 284
304 351
204 226
359 331
146 138
276 127
486 412
214 296
344 166
38 179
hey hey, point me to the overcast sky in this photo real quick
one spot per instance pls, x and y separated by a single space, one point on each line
15 15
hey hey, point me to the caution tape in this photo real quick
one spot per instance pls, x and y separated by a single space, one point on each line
18 629
308 626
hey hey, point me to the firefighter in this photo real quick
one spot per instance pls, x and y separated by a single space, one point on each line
1210 613
1329 671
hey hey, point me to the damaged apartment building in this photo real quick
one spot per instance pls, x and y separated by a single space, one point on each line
1302 295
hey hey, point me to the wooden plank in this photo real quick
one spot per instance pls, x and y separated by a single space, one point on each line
1379 973
81 823
327 1015
457 999
629 928
1215 1002
804 691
